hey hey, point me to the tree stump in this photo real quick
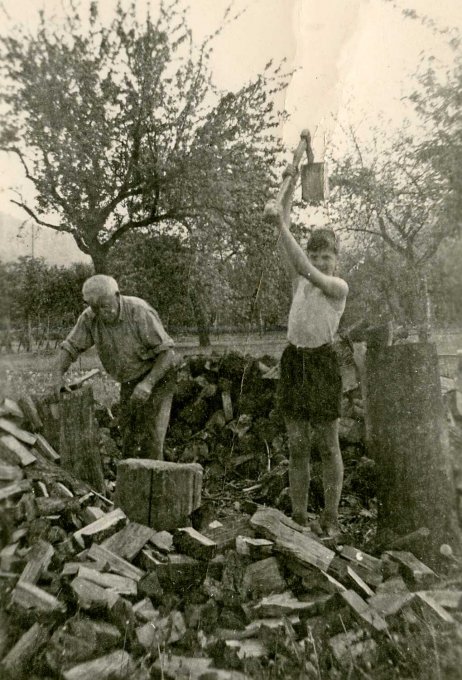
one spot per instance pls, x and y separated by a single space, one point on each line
156 493
415 487
70 426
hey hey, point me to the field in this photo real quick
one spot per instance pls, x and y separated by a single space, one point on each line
32 371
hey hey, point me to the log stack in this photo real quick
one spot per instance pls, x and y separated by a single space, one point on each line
88 592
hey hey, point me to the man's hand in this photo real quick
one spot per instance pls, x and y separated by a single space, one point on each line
59 385
141 393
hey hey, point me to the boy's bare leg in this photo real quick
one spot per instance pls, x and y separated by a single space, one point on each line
332 469
299 432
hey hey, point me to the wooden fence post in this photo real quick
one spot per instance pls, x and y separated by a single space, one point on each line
410 445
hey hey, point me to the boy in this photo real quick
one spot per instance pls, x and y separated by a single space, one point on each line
310 388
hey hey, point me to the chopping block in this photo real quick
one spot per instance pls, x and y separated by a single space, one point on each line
157 493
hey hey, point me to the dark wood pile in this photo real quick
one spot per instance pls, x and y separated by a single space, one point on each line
87 593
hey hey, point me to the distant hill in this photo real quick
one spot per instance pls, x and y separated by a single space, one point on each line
55 247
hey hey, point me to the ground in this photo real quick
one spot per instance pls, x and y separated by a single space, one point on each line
424 652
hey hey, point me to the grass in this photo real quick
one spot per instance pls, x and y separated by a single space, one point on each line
31 372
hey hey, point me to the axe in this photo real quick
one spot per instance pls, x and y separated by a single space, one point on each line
314 178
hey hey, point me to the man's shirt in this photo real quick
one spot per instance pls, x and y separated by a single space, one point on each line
126 347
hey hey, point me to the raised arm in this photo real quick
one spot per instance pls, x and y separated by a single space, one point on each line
332 286
286 206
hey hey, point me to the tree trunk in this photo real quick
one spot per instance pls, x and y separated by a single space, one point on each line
78 445
203 330
69 426
99 255
410 445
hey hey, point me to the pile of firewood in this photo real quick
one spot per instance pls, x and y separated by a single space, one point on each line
225 415
86 592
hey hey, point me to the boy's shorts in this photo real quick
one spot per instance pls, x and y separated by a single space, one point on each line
310 386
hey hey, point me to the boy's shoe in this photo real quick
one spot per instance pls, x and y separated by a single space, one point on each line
316 528
300 518
330 527
325 527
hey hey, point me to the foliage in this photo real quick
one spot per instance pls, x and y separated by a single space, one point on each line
391 202
38 296
438 101
118 127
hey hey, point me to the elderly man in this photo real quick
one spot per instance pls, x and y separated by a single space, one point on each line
135 350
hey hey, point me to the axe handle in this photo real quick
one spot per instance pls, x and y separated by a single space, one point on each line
304 146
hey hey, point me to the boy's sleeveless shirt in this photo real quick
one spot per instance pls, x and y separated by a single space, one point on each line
313 318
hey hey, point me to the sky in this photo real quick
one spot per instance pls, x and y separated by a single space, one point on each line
354 60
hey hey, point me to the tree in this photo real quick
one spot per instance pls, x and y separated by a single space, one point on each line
392 201
438 102
119 127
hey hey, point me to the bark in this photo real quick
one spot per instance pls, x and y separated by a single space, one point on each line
99 256
200 316
410 444
78 437
69 426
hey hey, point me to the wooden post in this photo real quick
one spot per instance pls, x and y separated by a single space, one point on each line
410 444
70 427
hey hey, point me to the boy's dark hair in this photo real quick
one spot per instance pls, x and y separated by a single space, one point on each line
323 238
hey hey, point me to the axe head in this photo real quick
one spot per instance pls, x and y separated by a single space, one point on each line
315 183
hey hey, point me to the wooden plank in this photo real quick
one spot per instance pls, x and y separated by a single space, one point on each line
449 599
227 405
284 604
11 408
115 563
290 540
413 569
13 429
191 542
101 529
16 663
365 614
9 560
425 604
144 611
358 584
15 489
119 584
72 568
31 415
150 559
14 452
181 571
389 604
46 448
89 595
358 557
129 541
118 665
263 578
255 548
38 560
172 667
31 597
163 541
318 579
10 473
